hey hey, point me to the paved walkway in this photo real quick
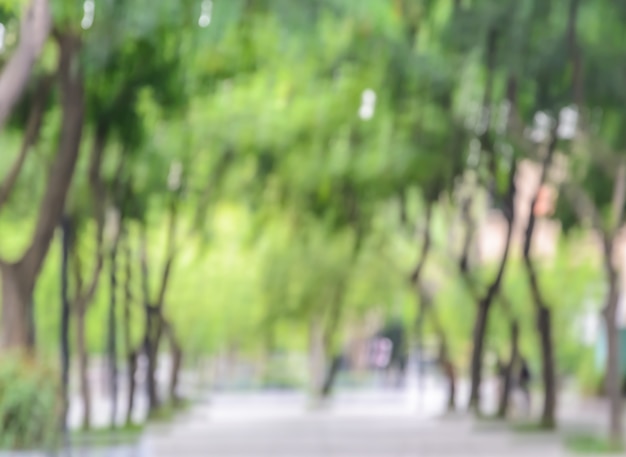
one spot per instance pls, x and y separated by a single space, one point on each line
357 424
361 423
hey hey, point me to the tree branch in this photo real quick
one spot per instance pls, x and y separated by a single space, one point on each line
34 32
545 168
575 55
583 205
426 244
98 194
619 197
33 128
170 250
78 275
145 272
207 192
62 172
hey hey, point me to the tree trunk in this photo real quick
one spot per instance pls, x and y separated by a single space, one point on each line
451 375
19 279
478 342
330 332
542 312
613 372
544 327
131 353
331 377
415 278
62 170
446 364
177 357
177 360
154 309
16 308
444 360
317 357
112 343
65 320
153 322
132 372
549 374
507 381
34 32
484 305
83 365
177 363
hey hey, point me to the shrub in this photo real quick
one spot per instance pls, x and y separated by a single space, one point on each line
30 404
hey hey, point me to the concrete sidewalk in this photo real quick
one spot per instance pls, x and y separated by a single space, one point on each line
357 424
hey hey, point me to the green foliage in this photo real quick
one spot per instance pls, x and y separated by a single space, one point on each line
592 445
29 404
288 206
106 437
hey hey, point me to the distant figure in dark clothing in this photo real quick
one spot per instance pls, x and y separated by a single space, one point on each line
389 352
524 379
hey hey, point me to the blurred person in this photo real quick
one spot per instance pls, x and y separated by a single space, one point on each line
524 380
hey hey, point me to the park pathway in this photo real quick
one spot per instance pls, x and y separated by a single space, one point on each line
357 424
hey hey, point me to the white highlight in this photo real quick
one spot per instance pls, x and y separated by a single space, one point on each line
368 105
89 9
568 123
541 129
2 33
206 11
174 178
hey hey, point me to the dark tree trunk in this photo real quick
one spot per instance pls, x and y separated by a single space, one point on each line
112 337
19 279
332 325
542 312
131 353
65 319
317 357
16 308
478 342
154 309
451 375
151 315
484 305
331 376
177 362
32 325
549 374
613 372
151 344
132 387
444 360
507 377
83 365
544 327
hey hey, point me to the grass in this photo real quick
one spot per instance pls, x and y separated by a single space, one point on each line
126 434
592 444
532 427
482 417
168 412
